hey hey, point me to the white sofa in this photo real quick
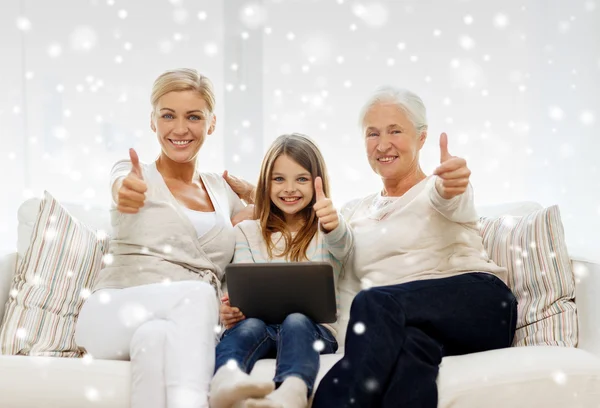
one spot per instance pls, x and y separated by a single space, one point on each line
515 377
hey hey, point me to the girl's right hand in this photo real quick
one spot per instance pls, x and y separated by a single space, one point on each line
326 212
230 316
132 193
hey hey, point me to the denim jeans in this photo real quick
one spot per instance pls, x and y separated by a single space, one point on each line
291 342
393 360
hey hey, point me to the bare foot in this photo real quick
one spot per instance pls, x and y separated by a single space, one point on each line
257 403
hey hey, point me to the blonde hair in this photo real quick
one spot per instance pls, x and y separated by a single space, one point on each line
183 79
305 152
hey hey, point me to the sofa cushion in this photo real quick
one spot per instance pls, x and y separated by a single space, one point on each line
517 209
8 265
265 368
50 284
540 274
542 376
48 382
97 218
512 377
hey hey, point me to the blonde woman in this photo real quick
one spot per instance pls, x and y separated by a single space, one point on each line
157 302
296 222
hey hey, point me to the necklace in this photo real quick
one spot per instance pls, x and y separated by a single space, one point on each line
381 202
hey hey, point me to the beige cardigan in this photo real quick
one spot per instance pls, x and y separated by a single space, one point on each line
160 244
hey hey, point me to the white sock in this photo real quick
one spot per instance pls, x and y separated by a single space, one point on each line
230 385
257 403
292 393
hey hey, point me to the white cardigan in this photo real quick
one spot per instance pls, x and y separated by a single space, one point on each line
160 244
417 236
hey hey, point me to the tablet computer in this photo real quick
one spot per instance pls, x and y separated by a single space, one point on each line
272 291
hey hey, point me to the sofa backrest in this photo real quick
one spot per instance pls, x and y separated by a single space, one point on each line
99 218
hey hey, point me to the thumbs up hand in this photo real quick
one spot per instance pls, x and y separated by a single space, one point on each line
135 164
326 212
453 173
131 195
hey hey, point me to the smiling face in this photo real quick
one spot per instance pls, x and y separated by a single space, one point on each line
181 122
291 186
391 141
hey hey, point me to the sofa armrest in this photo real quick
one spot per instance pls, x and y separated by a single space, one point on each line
587 298
8 263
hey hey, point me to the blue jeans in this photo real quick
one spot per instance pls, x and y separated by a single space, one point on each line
408 328
291 342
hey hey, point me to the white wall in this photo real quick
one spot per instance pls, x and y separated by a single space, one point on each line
11 124
515 84
80 73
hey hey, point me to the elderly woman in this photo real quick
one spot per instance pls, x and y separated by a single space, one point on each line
433 292
157 302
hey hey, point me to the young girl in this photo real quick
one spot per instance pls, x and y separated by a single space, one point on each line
296 222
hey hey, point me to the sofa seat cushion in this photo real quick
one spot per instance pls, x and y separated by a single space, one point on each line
516 377
265 369
536 376
52 382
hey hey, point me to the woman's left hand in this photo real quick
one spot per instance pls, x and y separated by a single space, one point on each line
326 212
453 173
245 190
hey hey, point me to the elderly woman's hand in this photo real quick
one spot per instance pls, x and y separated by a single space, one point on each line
230 316
242 188
453 173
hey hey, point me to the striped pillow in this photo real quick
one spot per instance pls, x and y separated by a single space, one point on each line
540 275
50 284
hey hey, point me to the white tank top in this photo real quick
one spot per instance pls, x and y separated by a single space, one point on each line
201 220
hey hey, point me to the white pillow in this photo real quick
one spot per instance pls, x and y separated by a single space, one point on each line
540 274
97 218
52 280
516 209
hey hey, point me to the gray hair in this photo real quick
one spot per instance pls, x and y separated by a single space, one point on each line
406 100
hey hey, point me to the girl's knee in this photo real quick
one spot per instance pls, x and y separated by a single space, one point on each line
252 325
249 328
297 320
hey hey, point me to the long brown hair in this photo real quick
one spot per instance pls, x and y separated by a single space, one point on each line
305 152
